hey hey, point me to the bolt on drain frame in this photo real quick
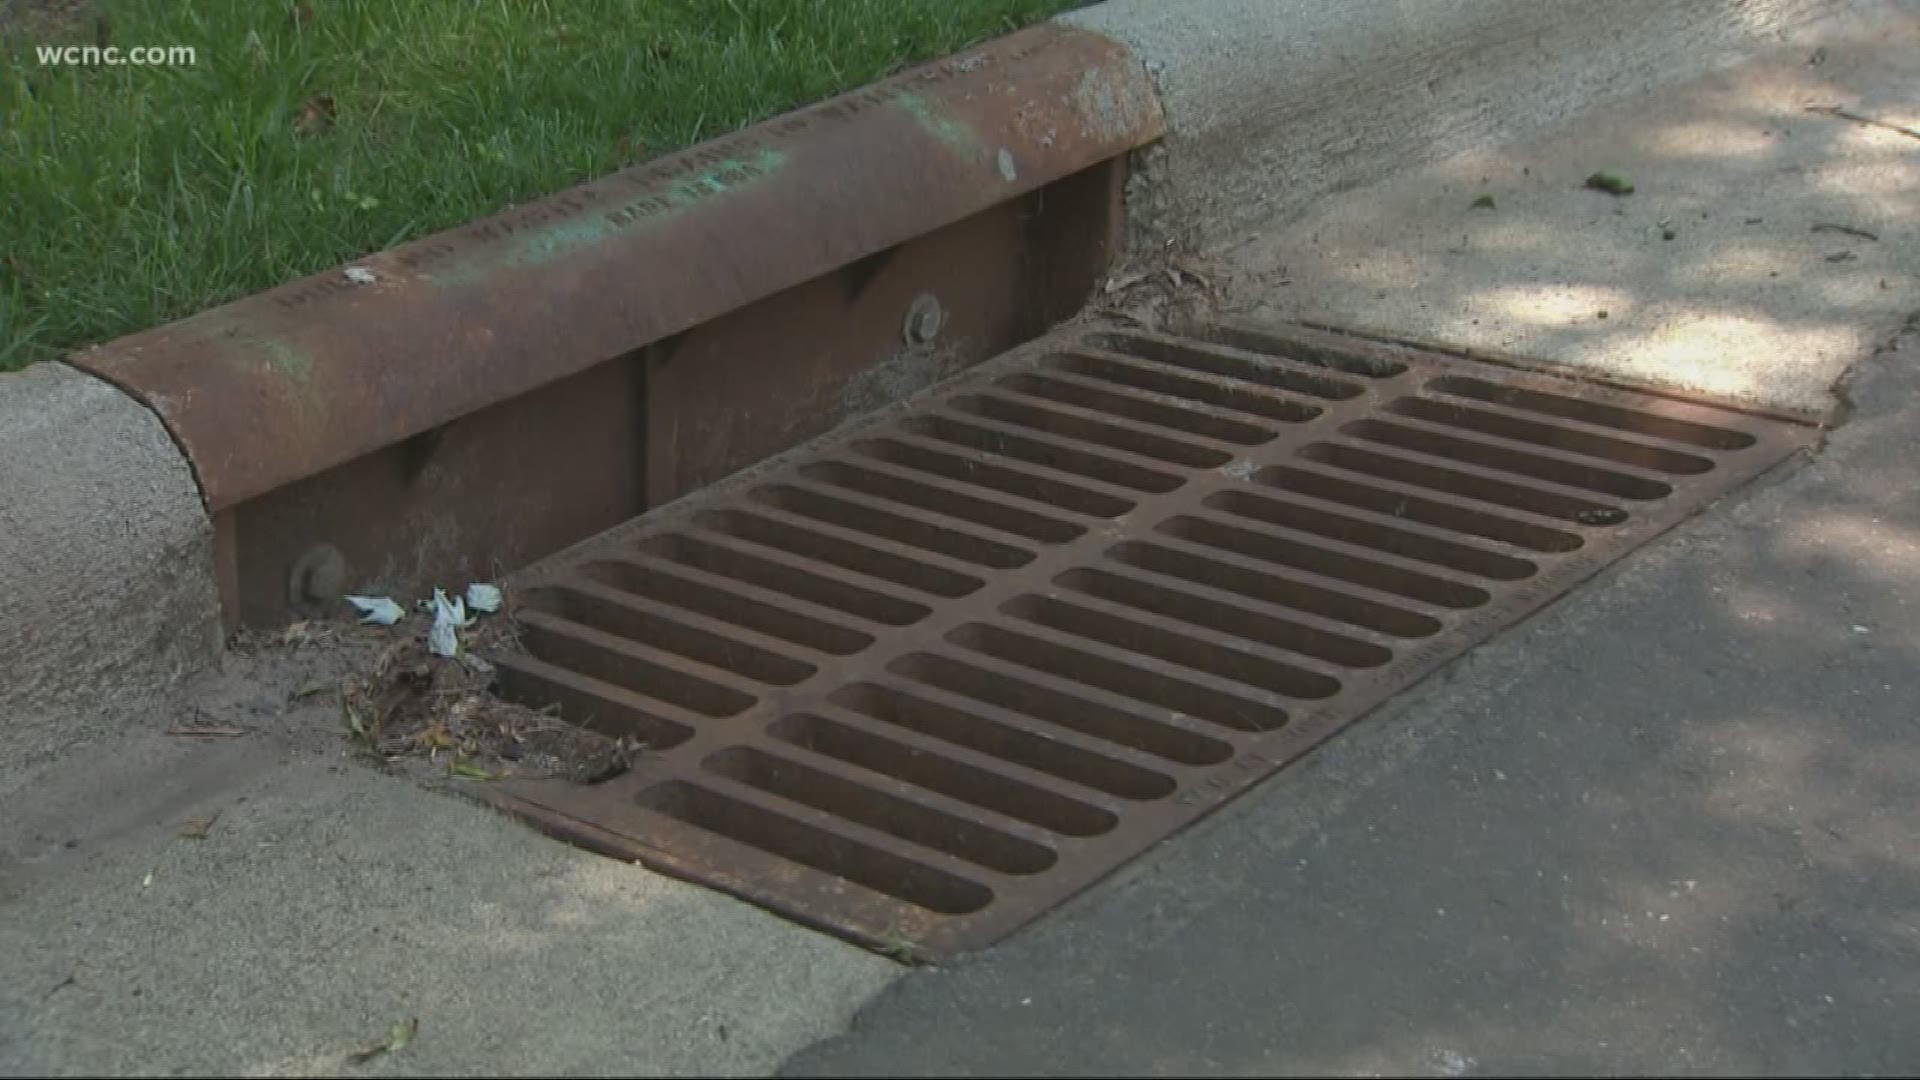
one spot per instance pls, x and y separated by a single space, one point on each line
924 679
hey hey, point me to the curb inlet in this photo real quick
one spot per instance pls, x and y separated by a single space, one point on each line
925 679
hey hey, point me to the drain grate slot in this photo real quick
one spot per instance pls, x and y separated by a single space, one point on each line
779 576
1127 674
825 849
1187 417
904 818
940 498
989 790
1015 482
1221 570
1647 421
1454 481
1004 442
728 605
1075 424
608 611
632 666
1486 422
931 676
873 518
1405 503
1194 651
591 704
1226 618
819 542
1350 356
1367 573
1269 371
1222 394
1540 466
1041 699
1392 540
1015 742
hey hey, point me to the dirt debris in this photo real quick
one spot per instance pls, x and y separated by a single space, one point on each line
382 692
414 708
1173 288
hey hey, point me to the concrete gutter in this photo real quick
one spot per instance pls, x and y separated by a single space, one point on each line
1274 104
1765 250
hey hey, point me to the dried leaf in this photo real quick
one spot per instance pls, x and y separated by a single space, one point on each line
398 1037
469 770
436 736
196 828
387 657
316 115
355 722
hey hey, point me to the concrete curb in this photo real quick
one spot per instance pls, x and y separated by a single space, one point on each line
107 592
276 387
422 415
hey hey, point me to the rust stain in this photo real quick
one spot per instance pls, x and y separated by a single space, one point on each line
492 310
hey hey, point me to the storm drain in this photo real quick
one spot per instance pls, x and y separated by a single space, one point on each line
932 676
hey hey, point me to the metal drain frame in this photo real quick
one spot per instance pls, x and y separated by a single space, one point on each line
895 747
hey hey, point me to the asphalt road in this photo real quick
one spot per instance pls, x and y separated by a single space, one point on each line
1671 824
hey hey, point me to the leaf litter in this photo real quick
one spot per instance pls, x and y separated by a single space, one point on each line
197 828
398 1036
428 699
393 699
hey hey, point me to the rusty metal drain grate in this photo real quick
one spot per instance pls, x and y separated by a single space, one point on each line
928 678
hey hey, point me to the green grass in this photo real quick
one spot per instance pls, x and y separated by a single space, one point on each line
130 196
